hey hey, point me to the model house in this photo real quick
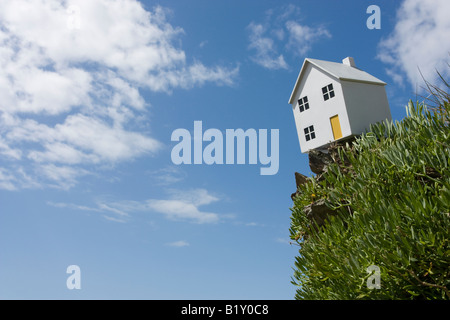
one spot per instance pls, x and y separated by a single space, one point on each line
333 101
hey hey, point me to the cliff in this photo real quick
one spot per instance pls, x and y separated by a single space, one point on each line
319 161
380 201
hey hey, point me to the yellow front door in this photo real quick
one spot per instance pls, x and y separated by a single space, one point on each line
336 126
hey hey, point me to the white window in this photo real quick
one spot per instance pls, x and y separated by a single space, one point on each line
328 92
303 104
309 133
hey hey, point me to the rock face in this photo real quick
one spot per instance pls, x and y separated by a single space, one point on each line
318 161
318 212
299 180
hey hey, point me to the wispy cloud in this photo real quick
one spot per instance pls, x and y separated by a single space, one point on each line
181 205
114 219
253 224
185 205
167 176
197 197
301 37
9 152
283 240
182 210
266 53
109 212
72 206
106 207
6 180
178 244
281 34
419 41
71 96
63 177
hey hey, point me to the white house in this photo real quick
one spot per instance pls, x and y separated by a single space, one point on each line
332 101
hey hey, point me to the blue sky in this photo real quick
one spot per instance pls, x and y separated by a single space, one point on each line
90 93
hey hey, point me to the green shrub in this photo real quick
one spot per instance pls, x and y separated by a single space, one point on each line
392 207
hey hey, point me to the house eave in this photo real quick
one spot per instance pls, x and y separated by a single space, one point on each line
298 80
379 83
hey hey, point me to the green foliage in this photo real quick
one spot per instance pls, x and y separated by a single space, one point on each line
393 211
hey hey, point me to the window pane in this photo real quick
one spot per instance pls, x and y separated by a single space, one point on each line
305 99
307 106
311 128
301 108
330 87
324 90
307 137
306 131
326 97
313 135
331 94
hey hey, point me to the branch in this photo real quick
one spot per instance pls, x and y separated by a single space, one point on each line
430 284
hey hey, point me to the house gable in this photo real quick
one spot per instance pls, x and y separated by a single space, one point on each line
320 109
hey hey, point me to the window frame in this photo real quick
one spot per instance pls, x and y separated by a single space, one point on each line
303 104
328 92
309 132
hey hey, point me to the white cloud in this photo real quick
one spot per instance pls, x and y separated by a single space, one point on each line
114 219
178 244
124 92
266 54
419 41
26 181
182 210
60 153
182 205
80 139
283 240
72 206
103 206
63 177
302 37
6 150
167 176
282 32
197 197
70 96
103 141
252 224
120 216
199 74
6 180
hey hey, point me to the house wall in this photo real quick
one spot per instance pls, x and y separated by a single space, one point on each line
366 104
320 111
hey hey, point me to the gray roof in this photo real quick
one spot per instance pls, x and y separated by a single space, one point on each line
338 70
